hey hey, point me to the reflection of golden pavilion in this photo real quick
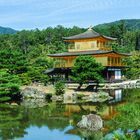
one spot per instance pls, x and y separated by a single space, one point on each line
89 43
107 113
117 94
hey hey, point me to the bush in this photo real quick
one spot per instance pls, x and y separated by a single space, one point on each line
59 88
48 96
9 85
122 135
4 99
80 96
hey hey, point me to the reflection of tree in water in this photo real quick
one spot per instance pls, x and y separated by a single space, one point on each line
15 120
11 124
86 111
89 135
86 134
101 107
50 116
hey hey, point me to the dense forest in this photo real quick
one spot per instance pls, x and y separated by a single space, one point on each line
23 55
131 24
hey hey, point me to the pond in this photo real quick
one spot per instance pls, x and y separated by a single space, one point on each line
57 121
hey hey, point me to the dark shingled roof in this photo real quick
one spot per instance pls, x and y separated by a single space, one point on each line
85 53
88 34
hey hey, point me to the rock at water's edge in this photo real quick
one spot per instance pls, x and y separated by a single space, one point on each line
91 122
30 92
33 103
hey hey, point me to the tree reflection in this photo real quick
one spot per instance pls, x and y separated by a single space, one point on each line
11 123
15 120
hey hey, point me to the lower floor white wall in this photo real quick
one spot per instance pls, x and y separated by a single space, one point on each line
117 74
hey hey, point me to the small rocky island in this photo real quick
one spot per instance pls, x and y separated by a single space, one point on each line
91 122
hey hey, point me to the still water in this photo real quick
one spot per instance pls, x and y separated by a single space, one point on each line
57 121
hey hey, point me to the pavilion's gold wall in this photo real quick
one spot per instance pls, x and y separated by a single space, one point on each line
91 45
85 46
61 62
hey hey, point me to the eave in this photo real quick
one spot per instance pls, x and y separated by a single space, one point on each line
95 53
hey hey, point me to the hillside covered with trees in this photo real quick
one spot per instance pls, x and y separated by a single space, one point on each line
4 30
131 24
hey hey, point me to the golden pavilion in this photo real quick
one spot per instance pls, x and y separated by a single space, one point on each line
89 43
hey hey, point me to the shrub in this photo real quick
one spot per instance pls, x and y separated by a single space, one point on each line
9 85
80 96
3 99
48 96
59 88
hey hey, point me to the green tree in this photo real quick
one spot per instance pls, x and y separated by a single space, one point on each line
133 63
37 69
59 88
9 85
137 47
86 69
118 30
13 60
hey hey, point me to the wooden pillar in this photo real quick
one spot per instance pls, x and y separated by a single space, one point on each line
107 75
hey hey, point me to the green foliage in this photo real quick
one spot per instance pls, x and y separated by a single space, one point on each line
86 68
103 95
80 96
133 63
137 47
13 60
127 38
25 78
116 135
59 88
36 75
3 99
128 117
25 53
48 96
118 31
9 85
37 68
131 25
133 112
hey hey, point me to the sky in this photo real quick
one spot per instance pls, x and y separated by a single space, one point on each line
31 14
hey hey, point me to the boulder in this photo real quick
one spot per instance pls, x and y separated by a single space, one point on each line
14 104
91 122
69 98
57 98
33 103
100 97
34 93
